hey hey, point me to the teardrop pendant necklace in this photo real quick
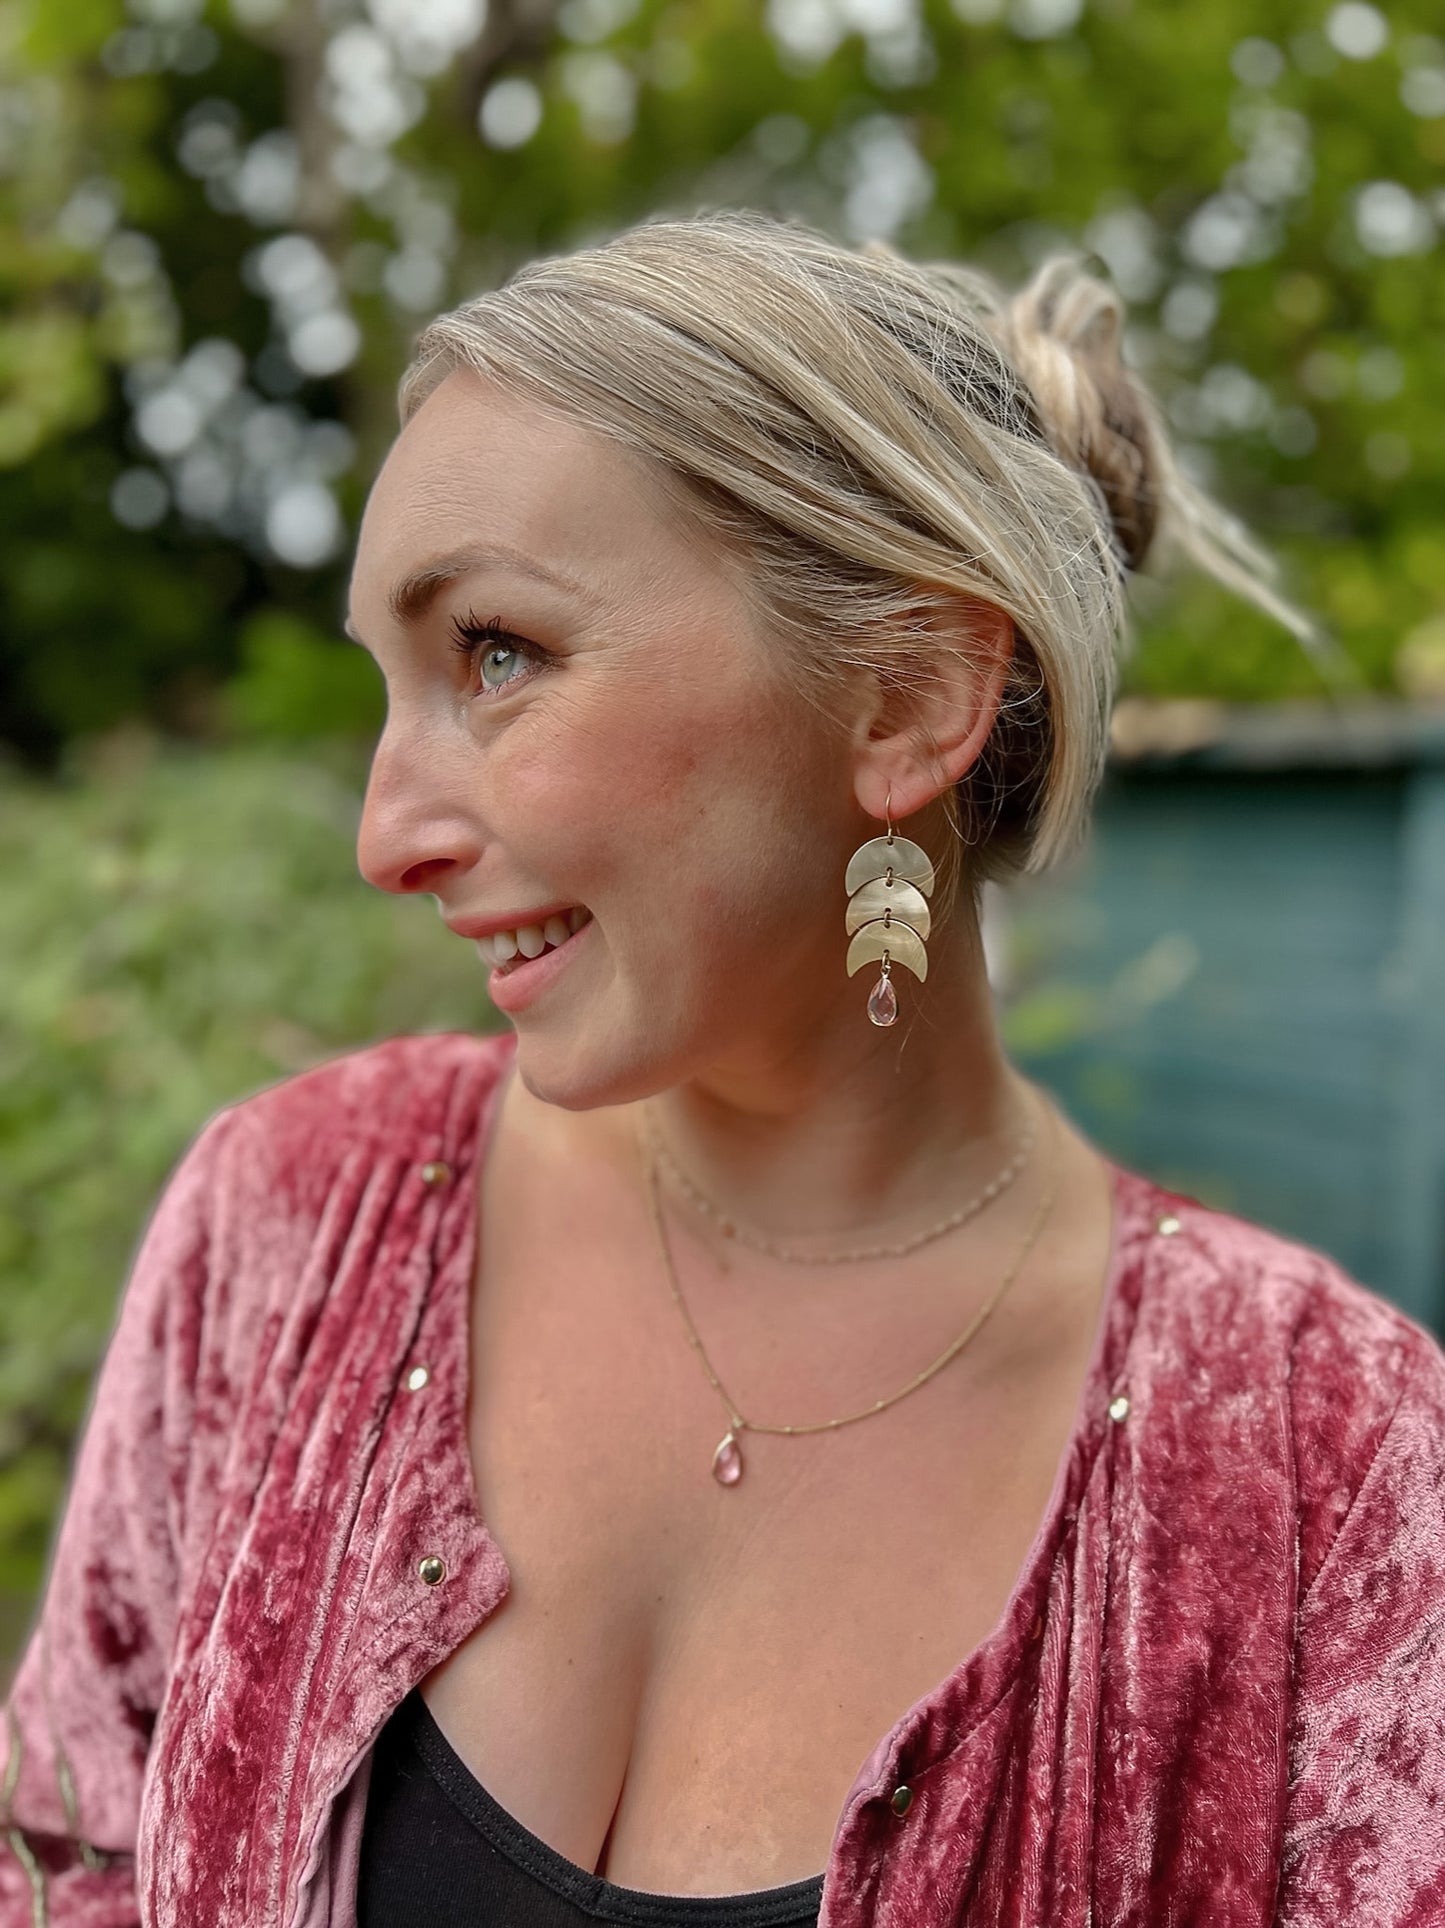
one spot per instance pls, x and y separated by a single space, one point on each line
727 1460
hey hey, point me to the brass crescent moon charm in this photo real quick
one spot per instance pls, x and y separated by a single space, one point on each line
904 900
904 946
872 859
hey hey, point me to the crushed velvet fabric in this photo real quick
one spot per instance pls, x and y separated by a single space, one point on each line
1217 1693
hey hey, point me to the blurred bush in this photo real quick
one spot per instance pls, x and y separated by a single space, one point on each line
192 928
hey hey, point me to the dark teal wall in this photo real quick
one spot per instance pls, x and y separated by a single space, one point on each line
1255 965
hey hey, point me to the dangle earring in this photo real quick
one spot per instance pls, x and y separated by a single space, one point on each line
889 881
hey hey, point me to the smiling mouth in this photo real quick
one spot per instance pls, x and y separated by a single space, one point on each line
506 950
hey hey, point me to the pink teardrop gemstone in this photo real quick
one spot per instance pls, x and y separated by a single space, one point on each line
883 1004
727 1461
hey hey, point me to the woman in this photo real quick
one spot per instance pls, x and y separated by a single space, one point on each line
531 1474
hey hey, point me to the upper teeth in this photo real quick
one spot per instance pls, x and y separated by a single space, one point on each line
531 939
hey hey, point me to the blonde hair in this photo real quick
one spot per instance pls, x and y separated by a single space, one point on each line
880 438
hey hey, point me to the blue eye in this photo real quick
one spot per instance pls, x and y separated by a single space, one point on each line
468 637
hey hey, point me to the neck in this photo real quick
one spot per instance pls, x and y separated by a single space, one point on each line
845 1128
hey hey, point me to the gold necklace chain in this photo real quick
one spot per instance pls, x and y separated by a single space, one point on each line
727 1460
729 1227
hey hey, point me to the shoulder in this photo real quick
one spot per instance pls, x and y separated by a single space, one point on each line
267 1191
312 1190
413 1096
378 1090
1238 1319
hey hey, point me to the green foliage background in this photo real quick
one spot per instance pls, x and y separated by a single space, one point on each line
195 928
1268 202
220 225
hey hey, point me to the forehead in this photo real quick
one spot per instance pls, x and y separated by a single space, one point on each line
476 464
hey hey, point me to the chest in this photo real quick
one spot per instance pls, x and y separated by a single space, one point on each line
685 1679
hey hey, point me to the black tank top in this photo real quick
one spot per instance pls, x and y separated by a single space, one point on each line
438 1852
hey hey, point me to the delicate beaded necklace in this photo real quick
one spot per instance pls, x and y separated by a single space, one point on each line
728 1227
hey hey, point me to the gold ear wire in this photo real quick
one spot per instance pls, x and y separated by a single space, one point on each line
888 880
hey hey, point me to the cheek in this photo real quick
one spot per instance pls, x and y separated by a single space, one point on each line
615 816
693 821
666 780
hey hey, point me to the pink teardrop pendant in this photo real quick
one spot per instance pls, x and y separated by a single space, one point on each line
883 1004
727 1461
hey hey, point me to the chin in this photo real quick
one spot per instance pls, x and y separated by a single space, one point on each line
587 1074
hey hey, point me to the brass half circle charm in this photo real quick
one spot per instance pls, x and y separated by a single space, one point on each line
904 900
904 946
872 859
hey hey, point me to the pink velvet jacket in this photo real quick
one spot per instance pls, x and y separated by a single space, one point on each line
1216 1694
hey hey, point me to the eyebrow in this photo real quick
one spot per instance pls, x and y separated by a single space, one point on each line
409 600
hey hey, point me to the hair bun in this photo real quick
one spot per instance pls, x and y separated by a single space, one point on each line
1064 333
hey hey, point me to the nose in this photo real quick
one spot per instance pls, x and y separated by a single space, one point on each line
415 830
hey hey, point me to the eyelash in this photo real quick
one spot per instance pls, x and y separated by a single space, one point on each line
469 635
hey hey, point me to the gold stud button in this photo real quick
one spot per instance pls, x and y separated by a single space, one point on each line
1119 1408
1169 1225
438 1172
901 1800
432 1570
417 1378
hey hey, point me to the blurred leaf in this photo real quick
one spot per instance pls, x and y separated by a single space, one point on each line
48 383
55 34
295 683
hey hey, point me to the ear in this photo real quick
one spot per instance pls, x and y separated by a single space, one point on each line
925 731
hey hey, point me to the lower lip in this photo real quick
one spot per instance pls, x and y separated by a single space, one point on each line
515 988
